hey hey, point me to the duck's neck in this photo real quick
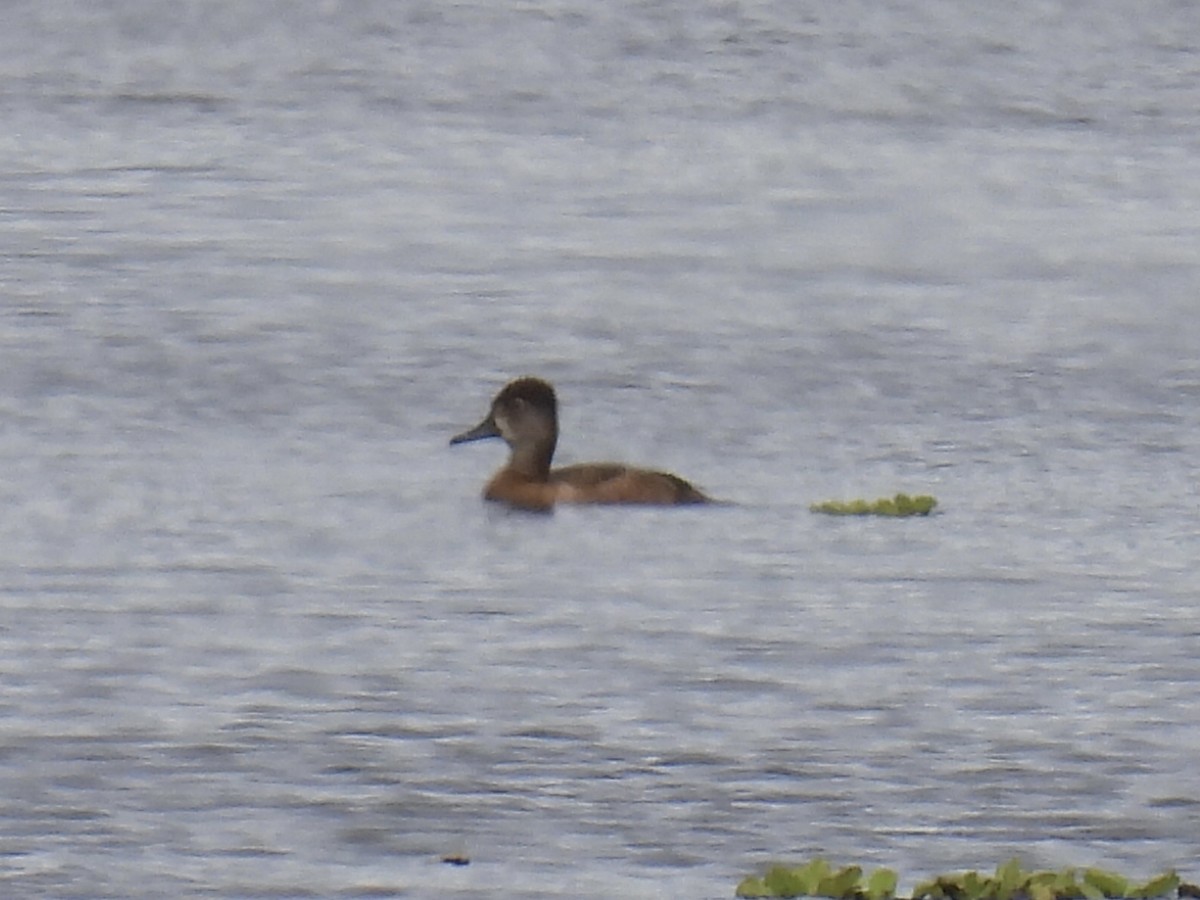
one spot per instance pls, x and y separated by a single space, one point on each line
532 461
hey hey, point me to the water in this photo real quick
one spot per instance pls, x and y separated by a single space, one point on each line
260 637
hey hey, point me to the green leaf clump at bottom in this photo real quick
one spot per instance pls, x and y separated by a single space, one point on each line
818 879
1009 882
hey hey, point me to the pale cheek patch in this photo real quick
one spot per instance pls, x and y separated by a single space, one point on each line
504 427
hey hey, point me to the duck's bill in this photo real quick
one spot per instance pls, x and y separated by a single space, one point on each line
485 429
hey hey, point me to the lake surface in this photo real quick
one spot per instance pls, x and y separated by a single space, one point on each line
259 636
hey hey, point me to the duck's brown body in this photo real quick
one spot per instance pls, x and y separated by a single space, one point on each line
590 483
525 415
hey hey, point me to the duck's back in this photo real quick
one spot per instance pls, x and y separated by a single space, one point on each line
617 483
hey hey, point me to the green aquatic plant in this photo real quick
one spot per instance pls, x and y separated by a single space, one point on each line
897 506
1009 882
818 879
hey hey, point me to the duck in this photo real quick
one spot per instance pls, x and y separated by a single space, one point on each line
525 416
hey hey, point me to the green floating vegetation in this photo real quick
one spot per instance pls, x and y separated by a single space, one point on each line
900 505
818 878
1010 882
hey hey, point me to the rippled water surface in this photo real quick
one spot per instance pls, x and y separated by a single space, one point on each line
259 636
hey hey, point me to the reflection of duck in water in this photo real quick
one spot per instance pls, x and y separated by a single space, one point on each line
525 415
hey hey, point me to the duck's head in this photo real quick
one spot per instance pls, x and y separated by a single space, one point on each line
524 414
